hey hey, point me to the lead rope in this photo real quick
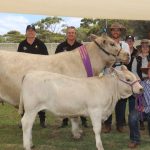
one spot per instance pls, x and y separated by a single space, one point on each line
139 105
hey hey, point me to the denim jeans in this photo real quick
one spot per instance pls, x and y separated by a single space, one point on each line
131 103
134 126
119 112
134 118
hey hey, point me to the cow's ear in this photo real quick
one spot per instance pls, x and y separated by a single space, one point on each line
93 37
123 67
112 70
104 35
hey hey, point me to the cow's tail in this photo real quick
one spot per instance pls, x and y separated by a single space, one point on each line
21 105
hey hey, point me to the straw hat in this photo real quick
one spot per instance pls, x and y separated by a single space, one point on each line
145 70
117 25
143 41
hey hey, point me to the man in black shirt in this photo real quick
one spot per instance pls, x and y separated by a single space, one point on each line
68 45
34 46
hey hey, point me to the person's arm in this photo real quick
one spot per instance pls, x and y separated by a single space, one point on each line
59 49
44 49
20 49
128 50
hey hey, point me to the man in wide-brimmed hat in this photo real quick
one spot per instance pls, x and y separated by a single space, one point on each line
116 30
144 108
144 43
117 25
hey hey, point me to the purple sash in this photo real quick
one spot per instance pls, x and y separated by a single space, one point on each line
86 60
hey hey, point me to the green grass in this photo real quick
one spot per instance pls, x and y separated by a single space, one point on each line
54 138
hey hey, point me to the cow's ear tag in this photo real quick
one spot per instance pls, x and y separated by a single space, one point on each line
113 71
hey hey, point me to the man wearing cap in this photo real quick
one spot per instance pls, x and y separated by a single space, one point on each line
134 116
116 30
34 46
134 52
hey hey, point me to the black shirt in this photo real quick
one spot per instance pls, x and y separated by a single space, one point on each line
37 47
65 46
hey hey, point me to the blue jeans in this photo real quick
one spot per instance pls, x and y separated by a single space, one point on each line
131 103
134 118
120 114
134 126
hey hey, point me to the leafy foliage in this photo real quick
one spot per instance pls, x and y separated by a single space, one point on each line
52 29
13 37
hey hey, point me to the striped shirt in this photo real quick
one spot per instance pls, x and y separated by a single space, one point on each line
146 86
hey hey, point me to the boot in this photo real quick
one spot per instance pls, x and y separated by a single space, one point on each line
142 127
120 129
42 119
64 123
107 128
148 128
84 121
133 145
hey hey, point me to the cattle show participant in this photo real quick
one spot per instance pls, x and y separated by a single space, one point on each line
134 53
33 45
141 61
116 31
48 92
135 115
68 45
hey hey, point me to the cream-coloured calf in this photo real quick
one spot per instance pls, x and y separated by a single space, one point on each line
67 96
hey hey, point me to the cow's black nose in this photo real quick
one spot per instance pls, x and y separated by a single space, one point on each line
141 90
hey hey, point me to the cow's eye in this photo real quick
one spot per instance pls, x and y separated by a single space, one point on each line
112 44
128 80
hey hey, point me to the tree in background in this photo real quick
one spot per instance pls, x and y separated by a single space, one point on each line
52 29
99 26
47 29
141 28
13 37
2 39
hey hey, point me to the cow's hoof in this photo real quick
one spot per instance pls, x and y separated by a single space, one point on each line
80 131
20 125
77 136
33 146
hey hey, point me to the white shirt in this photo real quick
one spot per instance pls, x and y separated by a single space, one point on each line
144 65
126 48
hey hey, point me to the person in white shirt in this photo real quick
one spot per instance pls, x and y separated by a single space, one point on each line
116 31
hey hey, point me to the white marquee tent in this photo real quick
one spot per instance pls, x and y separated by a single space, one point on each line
104 9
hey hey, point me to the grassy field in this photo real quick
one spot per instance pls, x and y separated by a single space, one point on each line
54 138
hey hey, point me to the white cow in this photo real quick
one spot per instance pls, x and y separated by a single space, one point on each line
67 96
13 65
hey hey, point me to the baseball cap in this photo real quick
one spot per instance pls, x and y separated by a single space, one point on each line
129 37
30 27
